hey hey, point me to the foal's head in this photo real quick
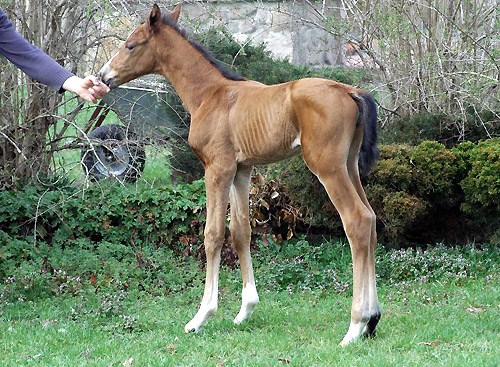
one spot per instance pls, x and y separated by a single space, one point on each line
137 56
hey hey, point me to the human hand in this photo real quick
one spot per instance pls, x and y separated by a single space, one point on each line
89 88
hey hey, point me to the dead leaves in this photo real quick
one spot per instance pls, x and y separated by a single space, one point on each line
171 348
271 209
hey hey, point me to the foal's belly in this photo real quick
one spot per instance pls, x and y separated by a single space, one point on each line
263 126
269 151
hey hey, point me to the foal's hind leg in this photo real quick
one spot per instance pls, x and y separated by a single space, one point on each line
329 163
352 167
218 179
240 234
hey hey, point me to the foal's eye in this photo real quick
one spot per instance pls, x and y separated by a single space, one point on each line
129 47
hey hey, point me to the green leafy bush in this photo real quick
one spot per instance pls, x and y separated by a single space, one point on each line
481 186
434 170
394 169
425 170
141 217
108 221
62 240
397 210
420 194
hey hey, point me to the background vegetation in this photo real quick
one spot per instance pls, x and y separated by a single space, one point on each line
434 57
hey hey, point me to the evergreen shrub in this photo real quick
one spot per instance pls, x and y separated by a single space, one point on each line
481 185
420 194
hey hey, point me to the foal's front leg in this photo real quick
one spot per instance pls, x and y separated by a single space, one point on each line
218 179
240 234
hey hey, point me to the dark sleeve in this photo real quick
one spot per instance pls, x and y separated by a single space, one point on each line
30 59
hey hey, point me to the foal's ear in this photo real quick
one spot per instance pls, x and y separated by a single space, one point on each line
176 12
154 17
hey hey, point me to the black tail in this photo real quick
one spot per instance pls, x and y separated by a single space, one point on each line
369 154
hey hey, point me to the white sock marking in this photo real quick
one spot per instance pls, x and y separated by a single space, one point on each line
249 299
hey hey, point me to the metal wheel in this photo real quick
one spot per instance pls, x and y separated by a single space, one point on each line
114 153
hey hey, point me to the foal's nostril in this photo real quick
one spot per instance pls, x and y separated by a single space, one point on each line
109 82
100 75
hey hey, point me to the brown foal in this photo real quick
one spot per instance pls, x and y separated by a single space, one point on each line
238 123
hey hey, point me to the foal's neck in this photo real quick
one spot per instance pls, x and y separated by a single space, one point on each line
193 77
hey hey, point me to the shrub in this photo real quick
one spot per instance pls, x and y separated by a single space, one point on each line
427 170
116 214
394 169
434 170
397 210
481 186
420 194
67 218
107 236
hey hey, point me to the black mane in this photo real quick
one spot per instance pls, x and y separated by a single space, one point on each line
231 75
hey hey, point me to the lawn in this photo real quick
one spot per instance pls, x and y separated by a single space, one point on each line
430 323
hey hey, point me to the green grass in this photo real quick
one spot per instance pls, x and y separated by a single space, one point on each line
426 324
440 305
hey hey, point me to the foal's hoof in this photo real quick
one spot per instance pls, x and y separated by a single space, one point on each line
372 324
192 328
357 330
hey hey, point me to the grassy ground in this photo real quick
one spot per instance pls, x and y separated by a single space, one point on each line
426 324
439 308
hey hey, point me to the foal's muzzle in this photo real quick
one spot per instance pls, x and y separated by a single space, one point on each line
107 78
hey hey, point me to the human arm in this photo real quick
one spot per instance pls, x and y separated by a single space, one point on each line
30 59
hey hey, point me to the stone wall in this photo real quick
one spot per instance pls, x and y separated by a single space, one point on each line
286 27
